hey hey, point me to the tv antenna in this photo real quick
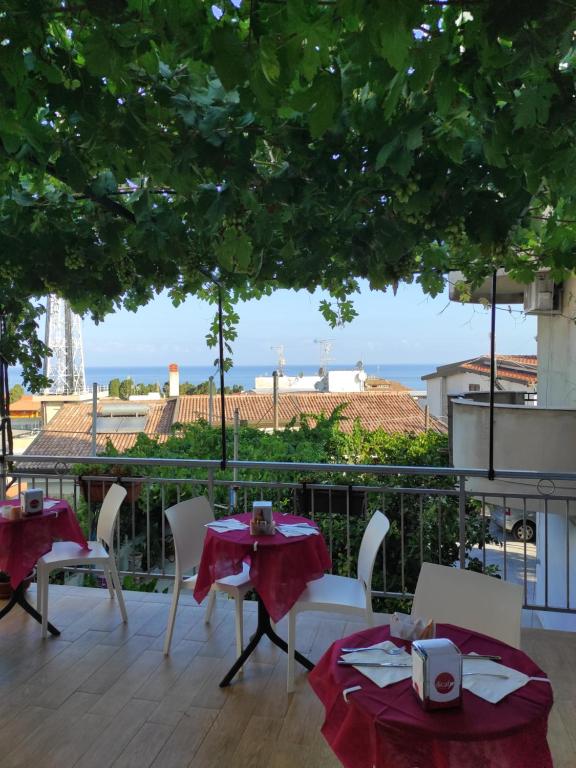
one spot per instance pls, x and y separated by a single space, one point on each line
281 359
325 356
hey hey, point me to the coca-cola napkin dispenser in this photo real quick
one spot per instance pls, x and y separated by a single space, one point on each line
437 673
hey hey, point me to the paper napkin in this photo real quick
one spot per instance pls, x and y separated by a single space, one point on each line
492 689
383 676
296 529
227 525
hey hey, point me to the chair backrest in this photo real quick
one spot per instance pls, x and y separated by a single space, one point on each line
187 523
372 539
108 513
471 600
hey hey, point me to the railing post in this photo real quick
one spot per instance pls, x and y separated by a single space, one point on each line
211 487
462 520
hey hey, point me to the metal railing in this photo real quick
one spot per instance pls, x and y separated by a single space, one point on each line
434 517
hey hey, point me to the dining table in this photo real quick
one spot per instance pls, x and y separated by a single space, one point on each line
368 726
280 567
25 539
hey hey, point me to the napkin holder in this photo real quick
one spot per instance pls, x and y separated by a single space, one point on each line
32 501
437 673
406 627
262 522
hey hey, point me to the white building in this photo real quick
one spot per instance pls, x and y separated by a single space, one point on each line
514 373
327 381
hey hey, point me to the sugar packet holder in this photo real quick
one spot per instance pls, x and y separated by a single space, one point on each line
407 627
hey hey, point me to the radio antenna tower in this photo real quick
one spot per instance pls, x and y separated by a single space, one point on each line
281 359
325 356
64 337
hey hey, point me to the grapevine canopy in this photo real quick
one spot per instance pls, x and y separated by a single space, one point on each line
158 144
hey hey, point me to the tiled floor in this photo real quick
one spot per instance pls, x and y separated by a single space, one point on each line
103 694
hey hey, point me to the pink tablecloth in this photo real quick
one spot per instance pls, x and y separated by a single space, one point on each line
385 727
23 541
280 567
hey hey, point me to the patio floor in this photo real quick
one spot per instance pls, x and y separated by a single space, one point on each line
102 694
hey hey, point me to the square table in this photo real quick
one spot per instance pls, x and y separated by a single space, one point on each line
374 727
25 540
280 568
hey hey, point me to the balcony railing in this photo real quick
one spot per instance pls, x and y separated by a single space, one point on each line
433 516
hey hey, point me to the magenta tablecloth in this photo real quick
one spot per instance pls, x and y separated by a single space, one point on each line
280 567
387 727
23 541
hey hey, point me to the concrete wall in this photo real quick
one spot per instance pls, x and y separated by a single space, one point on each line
346 381
440 387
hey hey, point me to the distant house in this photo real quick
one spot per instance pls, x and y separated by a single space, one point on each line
69 433
514 373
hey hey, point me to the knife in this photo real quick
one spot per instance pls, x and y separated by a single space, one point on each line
345 663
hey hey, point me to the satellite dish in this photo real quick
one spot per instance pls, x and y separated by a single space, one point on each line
359 365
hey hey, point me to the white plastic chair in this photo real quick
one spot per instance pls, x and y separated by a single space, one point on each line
188 524
341 593
470 600
68 553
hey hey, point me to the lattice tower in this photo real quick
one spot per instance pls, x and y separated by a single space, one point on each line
64 337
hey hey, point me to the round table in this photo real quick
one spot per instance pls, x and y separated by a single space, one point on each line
24 541
280 568
382 727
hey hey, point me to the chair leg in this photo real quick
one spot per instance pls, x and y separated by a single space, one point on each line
109 581
38 590
118 587
291 647
171 618
210 606
44 578
239 601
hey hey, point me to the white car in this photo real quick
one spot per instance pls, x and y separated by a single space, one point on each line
513 520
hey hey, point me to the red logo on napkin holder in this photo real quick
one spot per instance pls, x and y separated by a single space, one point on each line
444 682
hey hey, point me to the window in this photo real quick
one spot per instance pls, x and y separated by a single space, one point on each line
473 387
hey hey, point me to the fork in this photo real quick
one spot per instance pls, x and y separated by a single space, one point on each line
391 652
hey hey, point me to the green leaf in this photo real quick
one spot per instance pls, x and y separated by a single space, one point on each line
414 138
71 171
446 90
234 251
385 152
533 105
328 98
229 58
395 40
104 184
269 60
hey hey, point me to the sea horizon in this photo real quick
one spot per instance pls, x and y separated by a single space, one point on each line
408 374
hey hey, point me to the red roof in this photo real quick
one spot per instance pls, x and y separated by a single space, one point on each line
69 432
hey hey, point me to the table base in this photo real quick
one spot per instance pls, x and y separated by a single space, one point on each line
19 598
263 628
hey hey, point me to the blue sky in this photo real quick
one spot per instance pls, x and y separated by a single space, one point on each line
407 328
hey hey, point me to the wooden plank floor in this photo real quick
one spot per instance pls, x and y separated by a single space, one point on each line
103 694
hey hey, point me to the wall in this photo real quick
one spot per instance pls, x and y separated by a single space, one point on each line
346 381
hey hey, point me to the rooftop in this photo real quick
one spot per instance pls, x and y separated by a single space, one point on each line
69 431
520 368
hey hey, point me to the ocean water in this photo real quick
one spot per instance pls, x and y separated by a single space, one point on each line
408 374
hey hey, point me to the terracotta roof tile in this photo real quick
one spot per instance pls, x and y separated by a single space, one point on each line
392 411
503 373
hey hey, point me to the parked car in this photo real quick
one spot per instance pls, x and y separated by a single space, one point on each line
513 520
